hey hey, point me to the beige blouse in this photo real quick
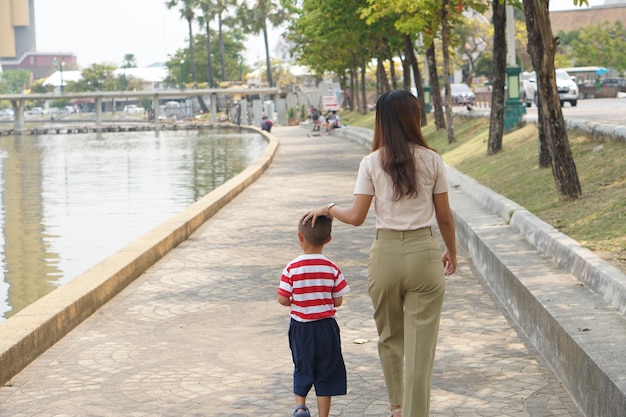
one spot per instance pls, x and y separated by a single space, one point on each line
407 213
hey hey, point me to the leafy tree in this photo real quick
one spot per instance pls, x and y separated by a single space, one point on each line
233 49
97 77
602 45
409 18
324 37
484 65
475 39
13 82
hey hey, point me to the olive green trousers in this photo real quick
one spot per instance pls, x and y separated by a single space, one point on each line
406 284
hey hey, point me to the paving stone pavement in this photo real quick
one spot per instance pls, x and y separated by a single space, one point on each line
201 332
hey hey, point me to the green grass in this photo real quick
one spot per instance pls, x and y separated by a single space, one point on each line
597 220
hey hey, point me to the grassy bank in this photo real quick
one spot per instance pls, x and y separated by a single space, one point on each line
597 220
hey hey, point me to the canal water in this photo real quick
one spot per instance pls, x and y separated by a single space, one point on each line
69 201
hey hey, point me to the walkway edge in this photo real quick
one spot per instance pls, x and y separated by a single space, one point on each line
33 330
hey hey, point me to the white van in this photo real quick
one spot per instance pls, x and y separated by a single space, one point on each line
568 90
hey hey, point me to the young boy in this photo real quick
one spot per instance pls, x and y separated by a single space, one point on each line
313 286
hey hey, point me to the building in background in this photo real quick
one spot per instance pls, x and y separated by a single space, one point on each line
18 42
570 20
17 28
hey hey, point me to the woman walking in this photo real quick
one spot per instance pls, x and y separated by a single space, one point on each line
406 271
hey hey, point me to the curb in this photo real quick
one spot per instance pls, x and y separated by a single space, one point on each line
31 331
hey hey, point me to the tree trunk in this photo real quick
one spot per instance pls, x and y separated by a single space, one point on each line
267 56
417 76
382 82
221 39
392 69
192 62
343 84
541 48
435 90
406 72
352 87
363 94
445 44
544 152
203 106
498 81
208 53
356 85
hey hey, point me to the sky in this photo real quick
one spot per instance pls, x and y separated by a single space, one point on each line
98 34
145 28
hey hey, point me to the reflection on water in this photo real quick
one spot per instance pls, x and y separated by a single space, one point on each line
69 201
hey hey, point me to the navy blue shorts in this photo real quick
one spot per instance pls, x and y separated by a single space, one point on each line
316 352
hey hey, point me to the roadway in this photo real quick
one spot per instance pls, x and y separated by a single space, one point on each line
601 110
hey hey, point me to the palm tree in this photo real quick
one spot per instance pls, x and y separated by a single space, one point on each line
255 21
186 12
222 7
207 15
130 61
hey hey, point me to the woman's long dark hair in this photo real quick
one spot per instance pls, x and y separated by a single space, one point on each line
397 126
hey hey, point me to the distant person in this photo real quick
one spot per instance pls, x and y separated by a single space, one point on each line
316 120
313 286
321 121
266 124
333 122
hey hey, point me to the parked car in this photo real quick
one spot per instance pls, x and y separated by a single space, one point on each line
6 113
36 111
568 89
529 88
566 86
462 94
133 109
613 82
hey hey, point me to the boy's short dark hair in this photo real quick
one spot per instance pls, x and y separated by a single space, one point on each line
319 234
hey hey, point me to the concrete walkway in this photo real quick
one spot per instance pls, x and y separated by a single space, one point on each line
201 333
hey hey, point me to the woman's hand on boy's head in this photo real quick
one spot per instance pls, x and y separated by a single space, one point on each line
314 214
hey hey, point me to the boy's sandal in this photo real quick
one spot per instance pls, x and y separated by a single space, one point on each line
301 411
396 411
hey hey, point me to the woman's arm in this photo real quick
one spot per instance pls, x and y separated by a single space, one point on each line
445 220
354 215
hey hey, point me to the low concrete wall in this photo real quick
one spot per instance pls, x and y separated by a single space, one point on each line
580 333
30 332
604 279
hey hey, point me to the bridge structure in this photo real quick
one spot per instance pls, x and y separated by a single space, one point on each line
18 100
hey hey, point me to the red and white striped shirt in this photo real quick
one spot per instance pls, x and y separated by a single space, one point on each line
312 281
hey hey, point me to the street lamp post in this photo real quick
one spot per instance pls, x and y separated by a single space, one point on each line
182 85
241 69
61 65
124 75
514 110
